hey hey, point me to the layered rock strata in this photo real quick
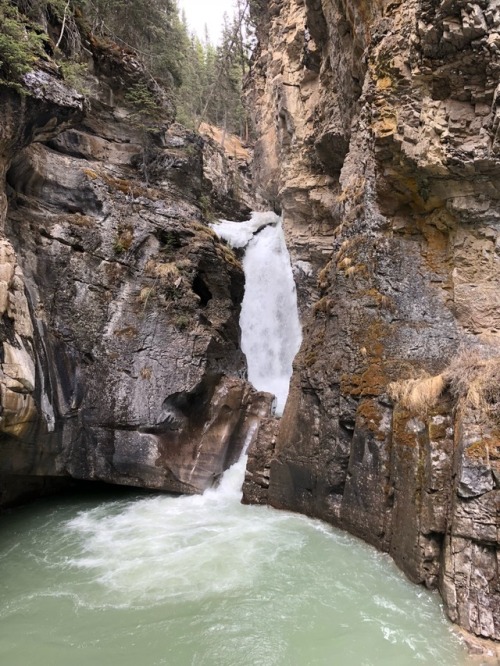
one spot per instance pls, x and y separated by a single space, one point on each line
378 125
120 357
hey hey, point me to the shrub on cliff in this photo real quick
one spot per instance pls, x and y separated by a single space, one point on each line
20 45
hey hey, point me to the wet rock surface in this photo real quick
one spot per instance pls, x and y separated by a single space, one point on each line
119 307
378 128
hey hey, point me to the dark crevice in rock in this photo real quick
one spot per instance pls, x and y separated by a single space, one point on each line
201 289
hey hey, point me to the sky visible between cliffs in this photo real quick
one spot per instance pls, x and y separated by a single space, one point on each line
206 12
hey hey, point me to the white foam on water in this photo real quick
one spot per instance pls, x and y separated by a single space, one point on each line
187 547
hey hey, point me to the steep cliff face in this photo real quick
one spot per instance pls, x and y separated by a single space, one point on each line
379 142
119 307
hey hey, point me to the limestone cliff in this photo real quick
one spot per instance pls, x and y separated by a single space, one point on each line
378 128
119 333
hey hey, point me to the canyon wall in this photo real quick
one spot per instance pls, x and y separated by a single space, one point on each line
120 358
378 130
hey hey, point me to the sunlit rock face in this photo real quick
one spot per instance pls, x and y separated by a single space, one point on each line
378 141
119 306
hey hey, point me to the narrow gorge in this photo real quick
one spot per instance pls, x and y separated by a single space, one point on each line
137 290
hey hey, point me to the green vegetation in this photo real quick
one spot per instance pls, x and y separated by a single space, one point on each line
74 73
207 79
212 76
20 44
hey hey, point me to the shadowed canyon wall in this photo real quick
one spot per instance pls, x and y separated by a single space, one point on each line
378 125
120 357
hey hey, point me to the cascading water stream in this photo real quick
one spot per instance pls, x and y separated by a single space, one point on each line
204 580
269 321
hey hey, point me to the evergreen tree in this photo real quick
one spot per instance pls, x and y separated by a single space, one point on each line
208 78
213 78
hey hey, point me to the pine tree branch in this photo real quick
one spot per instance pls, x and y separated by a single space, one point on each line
63 24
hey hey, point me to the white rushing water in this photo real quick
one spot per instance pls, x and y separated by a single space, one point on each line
269 320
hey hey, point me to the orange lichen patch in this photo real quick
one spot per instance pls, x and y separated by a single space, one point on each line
310 358
361 15
405 439
371 382
311 353
231 144
486 449
436 249
385 126
438 429
352 191
371 336
383 82
398 189
370 412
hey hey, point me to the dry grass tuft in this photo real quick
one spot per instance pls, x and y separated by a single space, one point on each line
146 293
162 270
472 378
475 381
418 395
344 263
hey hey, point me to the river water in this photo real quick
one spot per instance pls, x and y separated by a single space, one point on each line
205 581
192 581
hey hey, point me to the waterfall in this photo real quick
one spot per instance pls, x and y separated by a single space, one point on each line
269 320
204 579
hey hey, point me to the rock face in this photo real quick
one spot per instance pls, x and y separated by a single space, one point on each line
378 125
119 307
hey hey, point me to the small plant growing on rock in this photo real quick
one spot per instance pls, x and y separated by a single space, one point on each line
181 322
124 240
74 73
144 105
206 207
